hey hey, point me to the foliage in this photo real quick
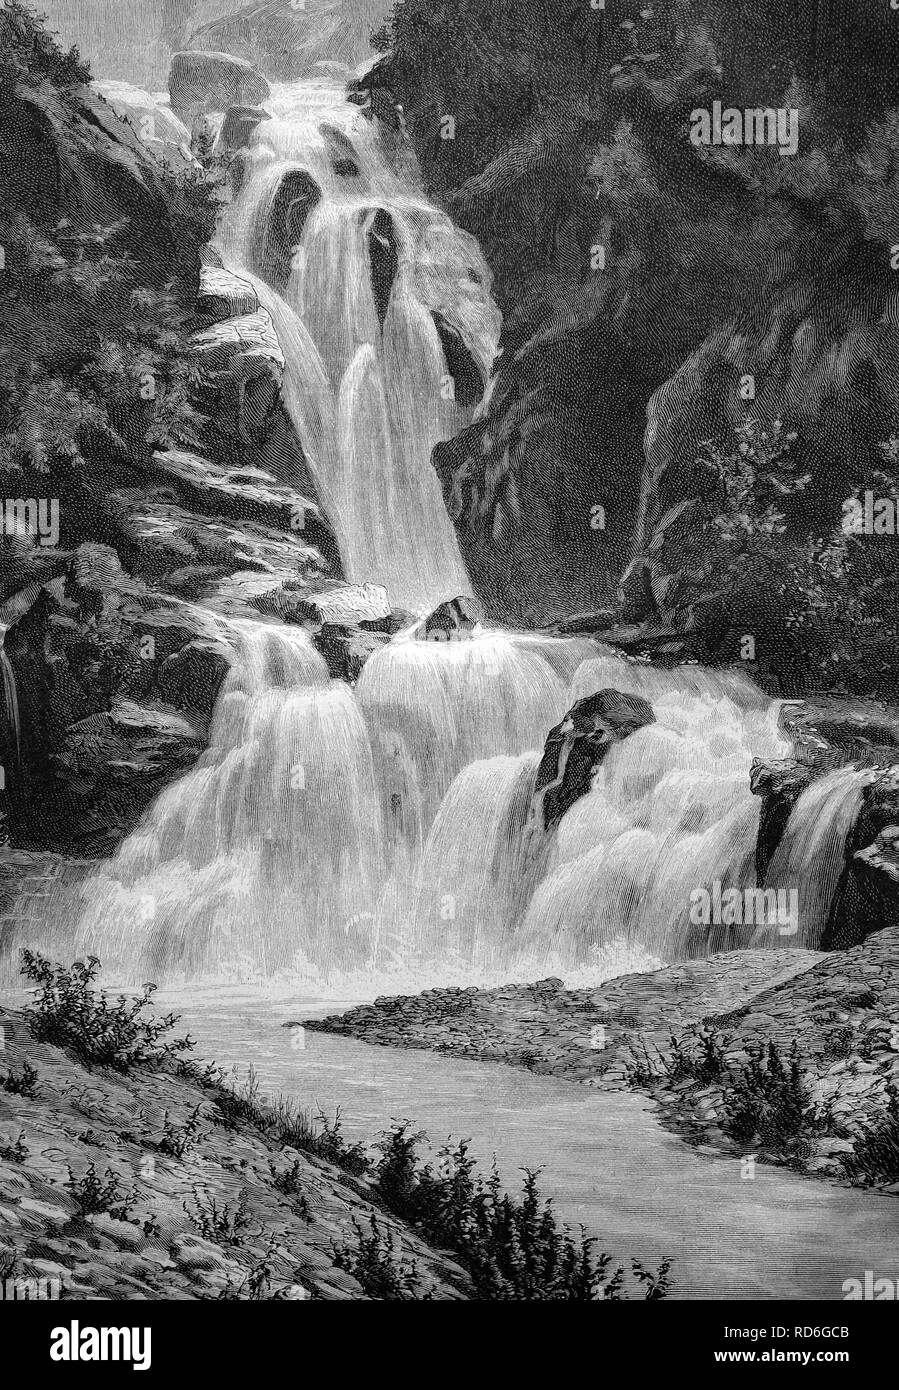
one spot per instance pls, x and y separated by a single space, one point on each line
179 1140
69 1013
222 1222
514 1248
21 1083
90 357
94 1195
376 1265
30 53
767 1101
875 1156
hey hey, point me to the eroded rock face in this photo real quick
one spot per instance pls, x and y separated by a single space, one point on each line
453 620
206 81
577 746
116 686
237 128
296 197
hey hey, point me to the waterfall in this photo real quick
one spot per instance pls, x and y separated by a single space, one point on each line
388 834
362 276
810 858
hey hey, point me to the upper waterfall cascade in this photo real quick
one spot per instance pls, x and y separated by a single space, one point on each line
359 273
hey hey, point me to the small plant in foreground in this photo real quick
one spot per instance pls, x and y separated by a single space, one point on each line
289 1182
68 1012
700 1056
21 1083
178 1140
224 1224
17 1152
94 1195
374 1262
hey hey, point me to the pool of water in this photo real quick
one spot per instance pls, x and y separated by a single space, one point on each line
606 1161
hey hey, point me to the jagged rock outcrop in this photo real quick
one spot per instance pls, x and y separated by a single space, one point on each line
115 686
577 746
152 120
453 620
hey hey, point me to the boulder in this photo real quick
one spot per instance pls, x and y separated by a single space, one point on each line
577 746
204 81
294 199
223 295
191 678
345 605
224 564
243 493
243 364
237 129
780 784
450 621
347 649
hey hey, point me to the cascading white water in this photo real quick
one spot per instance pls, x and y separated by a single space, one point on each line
391 832
369 397
267 855
811 856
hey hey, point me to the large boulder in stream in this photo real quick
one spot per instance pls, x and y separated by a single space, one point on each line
204 81
577 746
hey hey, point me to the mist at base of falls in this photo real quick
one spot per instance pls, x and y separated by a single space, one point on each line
382 839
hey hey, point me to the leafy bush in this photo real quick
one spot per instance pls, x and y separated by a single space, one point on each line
17 1152
374 1263
875 1157
178 1140
768 1102
94 1194
224 1223
29 52
21 1083
514 1248
289 1181
68 1012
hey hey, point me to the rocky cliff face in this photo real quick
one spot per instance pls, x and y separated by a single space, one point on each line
179 488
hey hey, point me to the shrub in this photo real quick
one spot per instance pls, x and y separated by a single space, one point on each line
289 1182
769 1102
514 1248
22 1083
876 1153
29 52
374 1263
68 1012
700 1056
225 1224
93 1194
17 1152
178 1140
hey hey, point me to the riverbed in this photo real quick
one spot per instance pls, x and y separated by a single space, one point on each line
734 1230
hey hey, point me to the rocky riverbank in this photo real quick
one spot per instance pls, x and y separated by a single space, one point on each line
688 1035
153 1185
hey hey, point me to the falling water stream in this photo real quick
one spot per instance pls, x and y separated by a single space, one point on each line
337 842
382 836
